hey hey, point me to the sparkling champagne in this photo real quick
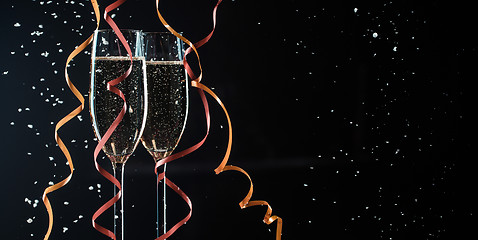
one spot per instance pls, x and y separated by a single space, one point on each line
107 105
168 103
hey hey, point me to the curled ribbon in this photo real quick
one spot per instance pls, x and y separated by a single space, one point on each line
195 82
64 120
111 87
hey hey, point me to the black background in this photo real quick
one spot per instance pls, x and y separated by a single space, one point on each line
346 133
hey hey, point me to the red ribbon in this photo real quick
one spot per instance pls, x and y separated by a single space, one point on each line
111 87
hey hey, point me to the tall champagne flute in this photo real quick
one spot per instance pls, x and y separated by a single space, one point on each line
168 105
110 60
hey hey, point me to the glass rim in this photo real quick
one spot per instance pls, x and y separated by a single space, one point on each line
165 32
112 30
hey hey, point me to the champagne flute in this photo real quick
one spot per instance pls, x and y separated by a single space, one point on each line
168 104
110 60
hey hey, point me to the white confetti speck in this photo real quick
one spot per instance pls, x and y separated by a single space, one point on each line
17 25
375 35
38 33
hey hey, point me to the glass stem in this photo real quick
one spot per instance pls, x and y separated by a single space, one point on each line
161 204
118 229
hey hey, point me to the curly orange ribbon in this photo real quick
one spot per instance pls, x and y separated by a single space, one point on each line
64 120
246 202
195 82
111 87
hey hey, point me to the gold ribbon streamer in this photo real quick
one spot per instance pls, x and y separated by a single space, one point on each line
195 82
268 217
64 120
